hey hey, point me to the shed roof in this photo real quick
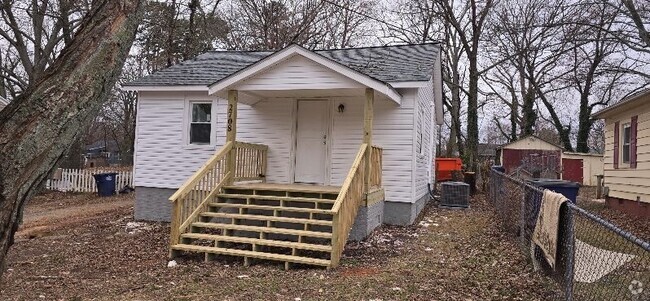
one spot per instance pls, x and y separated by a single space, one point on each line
531 136
399 63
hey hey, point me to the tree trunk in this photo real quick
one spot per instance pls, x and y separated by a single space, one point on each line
471 146
40 125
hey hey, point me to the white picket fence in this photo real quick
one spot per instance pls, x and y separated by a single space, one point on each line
82 180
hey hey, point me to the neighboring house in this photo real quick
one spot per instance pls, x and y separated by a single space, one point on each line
531 156
582 168
300 121
3 103
101 153
627 153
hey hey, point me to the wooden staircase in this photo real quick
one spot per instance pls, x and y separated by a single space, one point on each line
287 223
215 213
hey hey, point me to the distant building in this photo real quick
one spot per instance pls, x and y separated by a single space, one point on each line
488 151
102 153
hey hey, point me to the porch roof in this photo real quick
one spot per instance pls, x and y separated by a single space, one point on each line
389 64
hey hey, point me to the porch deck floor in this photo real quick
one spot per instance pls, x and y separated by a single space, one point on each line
309 188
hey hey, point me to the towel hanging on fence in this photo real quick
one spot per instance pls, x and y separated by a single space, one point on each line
546 228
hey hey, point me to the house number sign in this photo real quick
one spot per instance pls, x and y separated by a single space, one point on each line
229 117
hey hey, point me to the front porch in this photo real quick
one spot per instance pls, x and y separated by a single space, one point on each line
228 201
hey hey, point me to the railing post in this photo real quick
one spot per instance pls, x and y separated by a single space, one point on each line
174 237
568 272
368 115
231 134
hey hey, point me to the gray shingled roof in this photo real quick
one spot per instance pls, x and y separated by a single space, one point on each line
388 64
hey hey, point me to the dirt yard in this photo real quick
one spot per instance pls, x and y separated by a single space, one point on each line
84 250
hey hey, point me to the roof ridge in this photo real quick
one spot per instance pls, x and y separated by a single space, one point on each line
330 49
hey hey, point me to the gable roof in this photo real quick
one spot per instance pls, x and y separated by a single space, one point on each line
296 50
401 63
531 136
622 104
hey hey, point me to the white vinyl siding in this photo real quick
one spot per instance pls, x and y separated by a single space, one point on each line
425 135
297 73
165 160
625 182
392 131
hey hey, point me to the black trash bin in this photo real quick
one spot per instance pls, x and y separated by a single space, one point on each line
105 183
567 188
570 191
499 168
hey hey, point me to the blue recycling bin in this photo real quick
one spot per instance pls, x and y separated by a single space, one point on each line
567 188
105 183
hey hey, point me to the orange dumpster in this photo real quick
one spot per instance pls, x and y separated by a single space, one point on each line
445 167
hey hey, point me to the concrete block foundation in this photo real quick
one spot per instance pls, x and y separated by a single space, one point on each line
152 204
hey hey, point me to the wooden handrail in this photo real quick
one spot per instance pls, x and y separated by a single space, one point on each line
194 196
350 177
347 204
250 161
376 166
191 182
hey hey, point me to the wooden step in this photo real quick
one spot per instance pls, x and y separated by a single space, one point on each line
274 198
257 241
266 207
300 188
268 218
252 254
263 229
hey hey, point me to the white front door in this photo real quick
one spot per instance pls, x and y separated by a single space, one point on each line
311 141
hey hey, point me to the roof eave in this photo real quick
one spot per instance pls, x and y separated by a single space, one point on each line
621 105
165 88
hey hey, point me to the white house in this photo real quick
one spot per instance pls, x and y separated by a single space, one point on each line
349 132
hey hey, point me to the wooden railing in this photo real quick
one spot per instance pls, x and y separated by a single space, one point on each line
347 204
376 166
250 161
193 197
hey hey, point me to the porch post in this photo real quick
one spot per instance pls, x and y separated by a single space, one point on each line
231 133
367 134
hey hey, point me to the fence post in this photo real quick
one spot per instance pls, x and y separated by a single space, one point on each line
522 216
568 271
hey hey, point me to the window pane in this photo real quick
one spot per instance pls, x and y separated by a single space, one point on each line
626 135
200 133
201 112
626 153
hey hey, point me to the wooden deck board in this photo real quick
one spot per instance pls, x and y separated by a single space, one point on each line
257 241
268 218
307 188
253 254
272 208
275 198
263 229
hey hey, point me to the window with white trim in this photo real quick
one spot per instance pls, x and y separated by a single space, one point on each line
420 131
200 122
626 137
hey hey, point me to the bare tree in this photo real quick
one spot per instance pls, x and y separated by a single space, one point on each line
34 45
274 24
467 19
40 124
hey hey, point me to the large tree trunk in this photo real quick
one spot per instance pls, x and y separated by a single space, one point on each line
39 126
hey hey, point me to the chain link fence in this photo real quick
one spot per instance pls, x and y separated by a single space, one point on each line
596 260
